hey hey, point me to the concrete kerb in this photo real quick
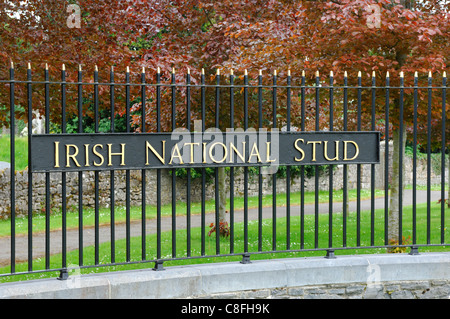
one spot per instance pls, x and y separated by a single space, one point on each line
208 279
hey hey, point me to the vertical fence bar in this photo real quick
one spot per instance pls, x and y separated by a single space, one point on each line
96 174
80 174
64 176
203 213
302 168
386 160
143 172
174 175
47 174
316 169
330 171
158 171
345 171
30 174
127 172
245 168
400 175
372 168
231 168
12 129
414 190
216 170
188 170
112 173
358 168
430 92
260 179
443 147
288 168
274 175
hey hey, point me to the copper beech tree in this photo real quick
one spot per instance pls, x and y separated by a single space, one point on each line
371 37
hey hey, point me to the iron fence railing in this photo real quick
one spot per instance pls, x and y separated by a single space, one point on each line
231 102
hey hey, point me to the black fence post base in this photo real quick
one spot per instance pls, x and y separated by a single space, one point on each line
159 265
330 254
414 251
245 259
63 274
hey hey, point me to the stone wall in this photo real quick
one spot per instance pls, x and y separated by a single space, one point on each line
196 187
433 289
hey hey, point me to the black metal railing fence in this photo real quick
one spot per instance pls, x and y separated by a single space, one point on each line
283 102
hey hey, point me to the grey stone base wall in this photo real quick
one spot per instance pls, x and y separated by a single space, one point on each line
394 276
433 289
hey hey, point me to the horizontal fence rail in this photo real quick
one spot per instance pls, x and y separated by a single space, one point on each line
413 115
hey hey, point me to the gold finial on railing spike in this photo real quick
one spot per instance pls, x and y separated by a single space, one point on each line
218 72
63 67
274 72
173 70
401 74
203 71
260 72
231 72
29 66
387 74
345 74
128 69
317 74
331 73
12 65
430 75
289 72
359 74
303 73
373 74
444 75
188 71
245 72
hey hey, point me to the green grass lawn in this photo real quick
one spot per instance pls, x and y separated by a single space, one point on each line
225 248
21 151
39 220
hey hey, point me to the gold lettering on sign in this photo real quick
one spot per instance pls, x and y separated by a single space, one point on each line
254 152
111 154
56 154
325 151
314 148
225 152
71 156
86 154
100 156
177 150
345 150
268 160
162 158
192 151
241 156
299 149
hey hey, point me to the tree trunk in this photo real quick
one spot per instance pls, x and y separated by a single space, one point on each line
395 188
222 194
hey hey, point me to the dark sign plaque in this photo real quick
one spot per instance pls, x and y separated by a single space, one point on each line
81 152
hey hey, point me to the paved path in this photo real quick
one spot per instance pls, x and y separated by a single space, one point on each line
166 224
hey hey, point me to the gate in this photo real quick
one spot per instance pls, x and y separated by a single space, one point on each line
234 138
